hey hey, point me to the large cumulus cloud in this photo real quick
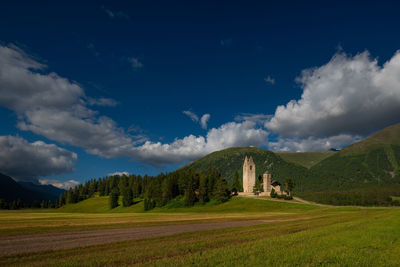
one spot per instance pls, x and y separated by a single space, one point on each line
23 160
348 95
232 134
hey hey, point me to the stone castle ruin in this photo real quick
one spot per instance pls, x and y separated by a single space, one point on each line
249 179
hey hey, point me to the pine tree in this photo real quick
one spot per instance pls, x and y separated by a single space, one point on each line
123 183
92 188
190 196
221 192
106 187
257 186
127 197
3 204
13 205
20 204
43 205
273 193
236 186
101 187
114 198
36 204
203 189
167 190
289 185
61 200
137 187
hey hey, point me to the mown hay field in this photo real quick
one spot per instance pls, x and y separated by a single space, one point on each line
300 235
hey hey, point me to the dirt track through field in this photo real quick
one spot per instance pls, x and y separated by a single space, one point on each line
63 240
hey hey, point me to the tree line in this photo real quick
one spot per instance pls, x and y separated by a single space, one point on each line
156 191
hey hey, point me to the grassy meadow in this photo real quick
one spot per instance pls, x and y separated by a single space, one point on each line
296 235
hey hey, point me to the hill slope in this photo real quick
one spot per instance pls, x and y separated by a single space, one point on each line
230 160
305 159
28 192
369 169
234 205
373 161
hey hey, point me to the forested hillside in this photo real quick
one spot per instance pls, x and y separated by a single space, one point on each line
230 160
361 172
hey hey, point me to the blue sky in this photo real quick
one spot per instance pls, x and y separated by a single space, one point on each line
153 69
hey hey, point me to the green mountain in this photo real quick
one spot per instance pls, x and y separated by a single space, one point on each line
306 159
374 161
28 192
368 169
230 160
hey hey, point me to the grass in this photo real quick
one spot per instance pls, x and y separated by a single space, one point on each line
395 198
92 214
329 237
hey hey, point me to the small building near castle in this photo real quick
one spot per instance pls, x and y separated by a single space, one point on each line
249 179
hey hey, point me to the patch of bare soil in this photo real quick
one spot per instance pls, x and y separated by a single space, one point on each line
63 240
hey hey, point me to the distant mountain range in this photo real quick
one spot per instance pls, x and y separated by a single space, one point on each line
26 191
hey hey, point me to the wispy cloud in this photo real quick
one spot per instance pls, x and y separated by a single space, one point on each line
204 120
193 116
102 101
135 63
226 42
269 80
92 49
115 14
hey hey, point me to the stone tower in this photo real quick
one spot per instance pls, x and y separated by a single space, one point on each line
267 183
249 175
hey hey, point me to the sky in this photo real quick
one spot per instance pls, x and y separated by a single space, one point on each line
92 88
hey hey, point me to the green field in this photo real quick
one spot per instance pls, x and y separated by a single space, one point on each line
299 235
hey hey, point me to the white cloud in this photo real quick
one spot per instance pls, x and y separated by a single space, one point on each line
269 80
204 120
231 134
119 174
347 96
135 63
312 144
28 161
191 115
60 184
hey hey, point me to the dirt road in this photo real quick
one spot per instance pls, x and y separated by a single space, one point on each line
62 240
